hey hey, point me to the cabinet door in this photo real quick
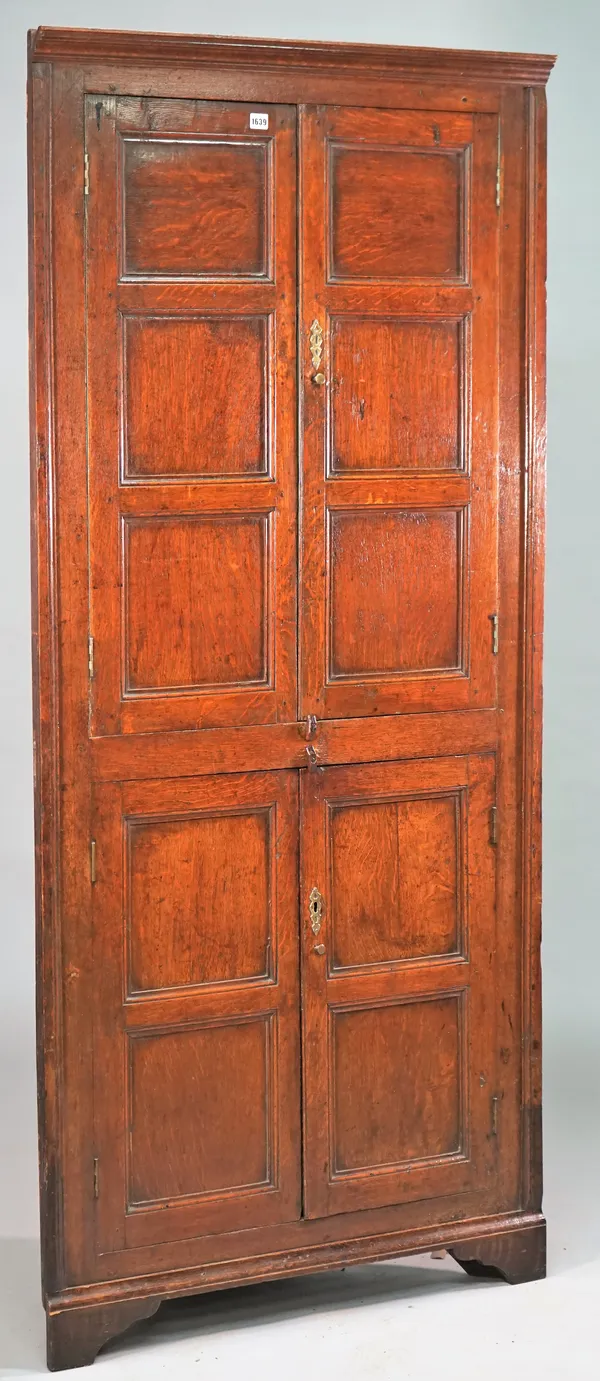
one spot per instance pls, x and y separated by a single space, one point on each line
399 337
191 325
196 1030
399 982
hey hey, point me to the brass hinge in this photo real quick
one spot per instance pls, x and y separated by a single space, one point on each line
95 1177
86 174
493 824
493 618
494 1114
92 861
499 171
91 657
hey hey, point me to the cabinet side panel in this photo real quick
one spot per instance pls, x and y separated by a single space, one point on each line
61 673
44 660
512 276
532 615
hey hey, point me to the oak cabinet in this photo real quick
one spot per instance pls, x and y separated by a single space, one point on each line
287 459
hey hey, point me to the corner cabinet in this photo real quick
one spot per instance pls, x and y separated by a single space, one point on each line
287 312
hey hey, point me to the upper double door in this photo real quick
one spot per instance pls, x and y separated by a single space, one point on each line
292 412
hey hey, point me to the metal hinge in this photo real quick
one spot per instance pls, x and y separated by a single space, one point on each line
86 174
493 824
493 618
95 1177
91 657
92 861
499 171
494 1114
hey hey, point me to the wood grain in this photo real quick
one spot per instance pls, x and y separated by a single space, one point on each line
367 648
193 586
194 209
165 445
385 1028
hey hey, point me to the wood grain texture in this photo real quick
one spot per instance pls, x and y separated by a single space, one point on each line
368 646
534 500
398 213
438 63
514 1256
197 600
395 880
195 402
46 756
395 604
193 581
195 209
169 988
388 1111
385 1028
198 898
521 1232
75 1336
185 1066
190 1092
377 421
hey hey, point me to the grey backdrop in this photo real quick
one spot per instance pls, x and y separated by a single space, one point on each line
571 953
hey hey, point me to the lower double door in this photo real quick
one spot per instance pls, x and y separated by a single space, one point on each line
295 1003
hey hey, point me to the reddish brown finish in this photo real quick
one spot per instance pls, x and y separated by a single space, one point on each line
514 1256
169 1004
394 877
194 211
377 420
170 361
402 621
187 888
396 213
186 1059
413 1116
193 578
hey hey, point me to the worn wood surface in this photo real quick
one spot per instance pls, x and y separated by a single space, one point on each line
402 619
171 423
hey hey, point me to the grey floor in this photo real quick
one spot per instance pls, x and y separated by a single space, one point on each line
414 1320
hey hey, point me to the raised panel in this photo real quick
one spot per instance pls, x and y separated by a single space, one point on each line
396 869
200 1111
199 899
397 213
395 598
398 394
195 397
406 1102
196 594
195 208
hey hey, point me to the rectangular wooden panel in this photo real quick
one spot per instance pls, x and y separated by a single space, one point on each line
199 899
405 1103
191 330
197 598
188 1090
399 983
196 1006
196 397
400 468
395 878
194 207
397 212
378 420
395 599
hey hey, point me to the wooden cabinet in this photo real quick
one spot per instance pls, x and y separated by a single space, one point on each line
287 458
